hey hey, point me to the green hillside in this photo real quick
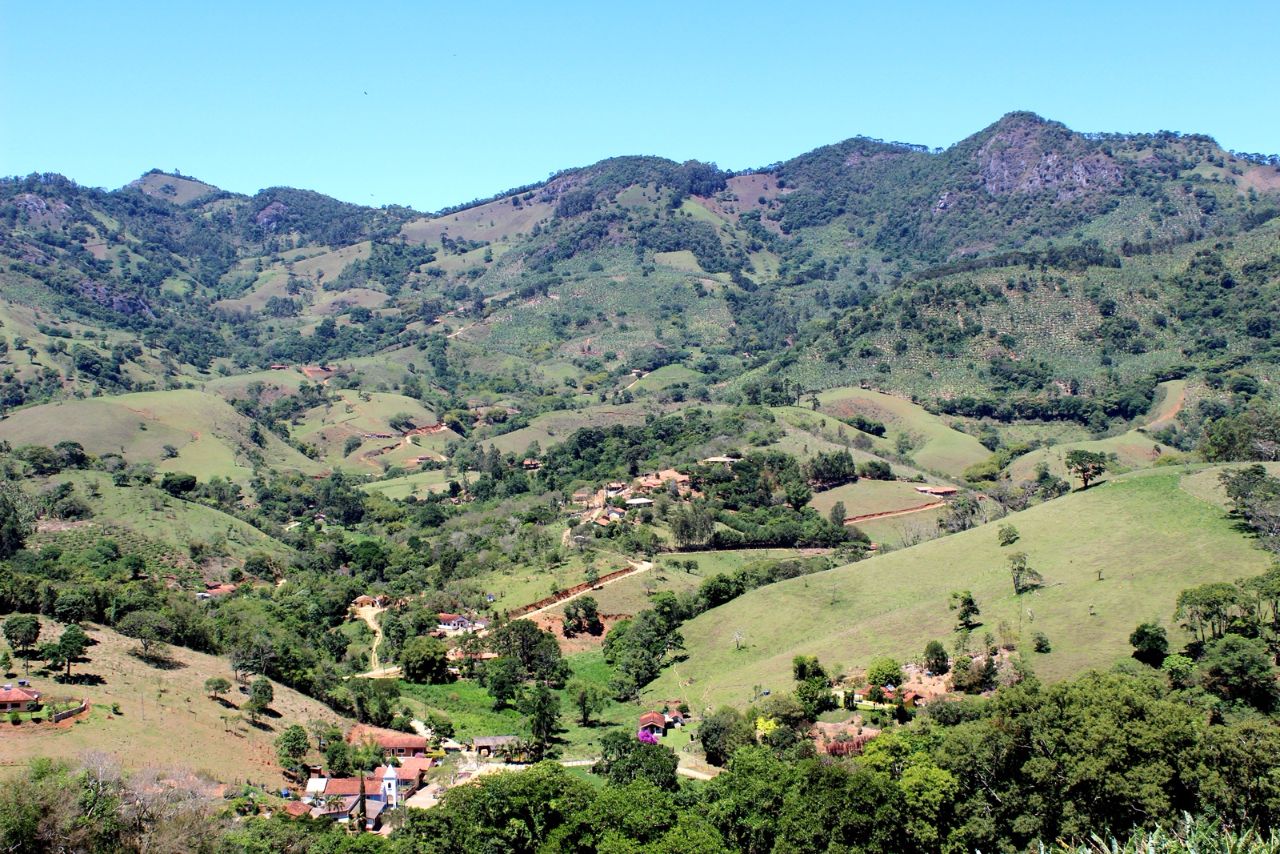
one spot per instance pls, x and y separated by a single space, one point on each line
1147 536
181 430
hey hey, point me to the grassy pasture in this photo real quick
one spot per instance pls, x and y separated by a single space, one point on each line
552 427
418 483
1133 450
941 448
870 496
158 516
1148 537
211 438
166 719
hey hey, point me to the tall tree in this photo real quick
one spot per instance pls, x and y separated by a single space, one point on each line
1086 465
22 631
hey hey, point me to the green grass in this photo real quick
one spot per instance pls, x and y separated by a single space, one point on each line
1133 449
553 427
211 438
869 496
629 595
665 376
940 447
157 516
418 483
470 708
1149 537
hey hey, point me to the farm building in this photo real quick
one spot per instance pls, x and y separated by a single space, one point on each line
18 699
488 745
654 723
940 491
395 743
458 622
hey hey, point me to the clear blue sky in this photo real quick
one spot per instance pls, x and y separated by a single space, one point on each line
430 104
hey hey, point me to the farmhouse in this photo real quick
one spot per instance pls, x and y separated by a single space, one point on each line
458 622
654 723
530 464
393 743
18 699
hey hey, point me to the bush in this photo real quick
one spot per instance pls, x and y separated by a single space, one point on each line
1040 642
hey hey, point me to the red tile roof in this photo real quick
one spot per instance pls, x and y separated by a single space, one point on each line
344 786
653 718
386 738
296 809
18 695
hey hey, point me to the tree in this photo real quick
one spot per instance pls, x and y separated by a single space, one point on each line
1179 669
6 662
1239 669
1024 577
22 631
582 615
935 658
837 514
692 525
424 661
966 606
1150 643
71 645
337 756
624 759
151 628
502 678
178 483
798 493
587 698
807 667
1086 465
723 732
13 528
541 709
291 746
815 696
884 671
261 693
1007 535
216 686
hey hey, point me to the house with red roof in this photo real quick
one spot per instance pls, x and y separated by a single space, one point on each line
18 699
392 742
654 723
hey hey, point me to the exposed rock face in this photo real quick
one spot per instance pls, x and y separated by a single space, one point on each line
42 211
1026 157
115 299
269 216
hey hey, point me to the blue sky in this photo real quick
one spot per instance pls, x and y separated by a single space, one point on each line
431 104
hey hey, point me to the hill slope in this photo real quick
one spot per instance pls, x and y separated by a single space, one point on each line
1148 536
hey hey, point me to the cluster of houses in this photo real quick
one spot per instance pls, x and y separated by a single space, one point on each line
367 798
346 799
611 503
